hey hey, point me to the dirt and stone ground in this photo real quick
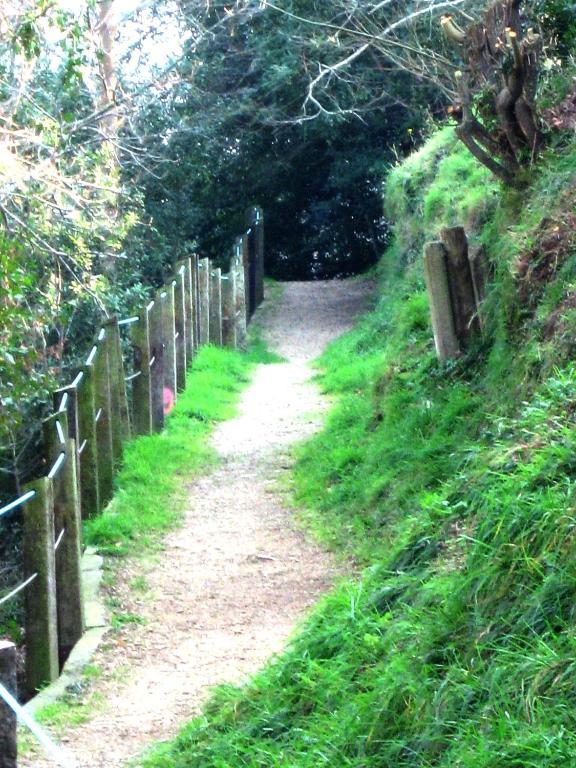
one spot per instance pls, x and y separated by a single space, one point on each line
229 586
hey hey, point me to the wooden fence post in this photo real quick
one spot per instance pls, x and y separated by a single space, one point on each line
229 308
215 324
196 299
166 299
258 224
241 318
8 742
68 532
142 384
181 327
41 617
157 363
460 281
88 444
245 240
102 419
436 277
204 267
251 259
189 309
119 415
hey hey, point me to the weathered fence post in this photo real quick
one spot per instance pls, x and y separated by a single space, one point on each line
188 278
460 281
41 623
479 268
156 362
251 259
103 418
215 324
180 325
204 267
67 523
195 263
8 742
440 304
229 308
166 298
88 445
245 240
142 384
119 415
241 317
258 224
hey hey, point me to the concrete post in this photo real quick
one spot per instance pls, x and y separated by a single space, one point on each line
156 363
88 444
464 308
181 327
229 309
204 299
215 325
166 299
103 419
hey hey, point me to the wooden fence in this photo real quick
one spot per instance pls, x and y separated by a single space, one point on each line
93 417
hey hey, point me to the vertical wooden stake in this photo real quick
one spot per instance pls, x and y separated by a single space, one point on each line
215 325
241 319
166 298
69 602
229 309
180 326
259 237
41 618
204 299
142 384
460 281
88 444
8 742
103 419
157 363
246 263
195 262
119 415
440 304
189 309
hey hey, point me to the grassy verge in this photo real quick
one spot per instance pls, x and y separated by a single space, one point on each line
455 487
149 496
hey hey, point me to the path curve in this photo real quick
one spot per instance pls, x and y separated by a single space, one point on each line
230 585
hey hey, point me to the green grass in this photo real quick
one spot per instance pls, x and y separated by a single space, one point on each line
454 488
150 496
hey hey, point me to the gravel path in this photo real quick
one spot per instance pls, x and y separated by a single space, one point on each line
230 585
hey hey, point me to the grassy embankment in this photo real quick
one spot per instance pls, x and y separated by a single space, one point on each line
455 487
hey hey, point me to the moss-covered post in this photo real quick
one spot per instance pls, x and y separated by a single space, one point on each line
41 622
464 308
119 414
8 741
440 304
68 532
166 297
258 224
204 268
103 419
181 327
229 309
215 326
88 443
241 319
142 384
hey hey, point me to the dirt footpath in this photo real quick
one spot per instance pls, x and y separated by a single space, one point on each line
227 590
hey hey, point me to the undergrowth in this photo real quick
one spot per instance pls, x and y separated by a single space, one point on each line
454 487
